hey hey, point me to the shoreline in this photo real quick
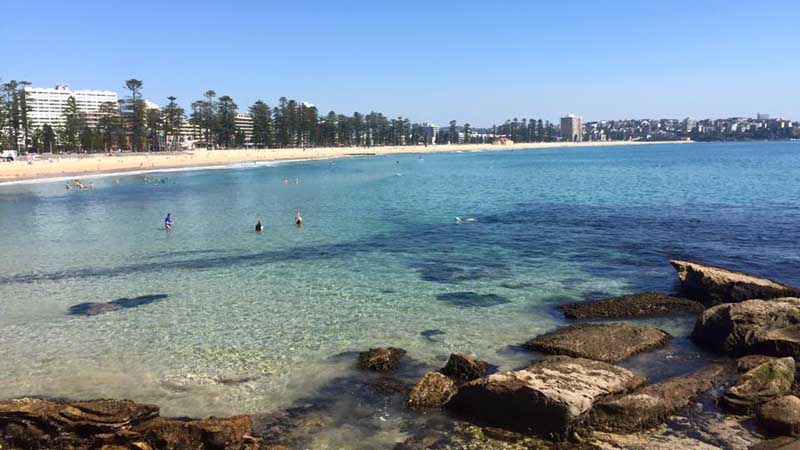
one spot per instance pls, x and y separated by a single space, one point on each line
61 167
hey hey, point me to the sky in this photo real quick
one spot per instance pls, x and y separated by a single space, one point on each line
477 62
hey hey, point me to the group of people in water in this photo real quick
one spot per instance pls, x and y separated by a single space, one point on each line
77 184
298 220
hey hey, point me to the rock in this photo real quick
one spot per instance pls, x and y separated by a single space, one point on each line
433 390
35 423
715 285
463 367
766 327
635 305
607 342
759 385
648 441
380 359
749 362
93 309
781 416
549 399
652 405
780 443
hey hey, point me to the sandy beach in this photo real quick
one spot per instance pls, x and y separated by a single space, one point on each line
77 165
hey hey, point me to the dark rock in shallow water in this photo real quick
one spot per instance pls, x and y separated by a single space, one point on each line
380 359
431 333
472 299
714 285
516 284
40 424
607 342
759 385
433 390
93 309
767 327
548 399
781 416
635 305
464 367
652 405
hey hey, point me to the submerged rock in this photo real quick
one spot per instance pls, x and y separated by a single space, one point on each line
714 285
37 424
781 416
464 367
433 390
634 305
472 299
93 309
652 405
380 359
607 342
767 327
759 385
549 399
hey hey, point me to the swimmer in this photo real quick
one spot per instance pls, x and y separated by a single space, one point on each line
466 219
259 226
298 219
68 187
168 222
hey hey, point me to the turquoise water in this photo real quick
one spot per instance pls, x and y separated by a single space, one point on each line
254 322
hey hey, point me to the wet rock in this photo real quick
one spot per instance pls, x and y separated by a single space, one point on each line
779 443
780 416
635 305
472 299
212 433
607 342
93 309
380 359
653 404
430 334
464 367
549 399
749 362
759 385
433 390
714 285
767 327
647 441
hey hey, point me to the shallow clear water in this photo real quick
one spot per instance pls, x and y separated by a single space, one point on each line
254 322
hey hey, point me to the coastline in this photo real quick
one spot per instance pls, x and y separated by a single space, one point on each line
102 164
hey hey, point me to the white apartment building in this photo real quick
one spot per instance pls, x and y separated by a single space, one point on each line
47 105
244 122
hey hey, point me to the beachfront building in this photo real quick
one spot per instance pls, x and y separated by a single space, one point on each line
571 128
47 105
244 122
429 133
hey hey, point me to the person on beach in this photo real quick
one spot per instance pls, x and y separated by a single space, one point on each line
298 219
168 222
259 226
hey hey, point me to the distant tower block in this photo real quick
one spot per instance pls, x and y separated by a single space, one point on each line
571 128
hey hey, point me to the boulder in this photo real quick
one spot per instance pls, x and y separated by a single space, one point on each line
433 390
780 416
779 443
759 385
549 399
110 424
652 405
749 362
607 342
634 305
380 359
714 285
464 367
766 327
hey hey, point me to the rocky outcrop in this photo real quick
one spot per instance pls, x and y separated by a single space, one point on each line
549 399
780 416
433 390
634 305
380 359
779 443
464 367
749 362
766 327
653 404
607 342
759 385
36 424
714 285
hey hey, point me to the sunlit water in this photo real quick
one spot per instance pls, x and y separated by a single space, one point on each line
254 322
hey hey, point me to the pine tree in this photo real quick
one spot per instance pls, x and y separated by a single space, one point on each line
262 124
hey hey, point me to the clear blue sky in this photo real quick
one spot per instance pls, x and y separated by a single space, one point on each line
475 61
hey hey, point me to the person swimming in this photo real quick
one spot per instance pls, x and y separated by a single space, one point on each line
298 219
168 222
259 226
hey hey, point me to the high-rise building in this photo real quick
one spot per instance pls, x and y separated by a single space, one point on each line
47 105
244 122
571 128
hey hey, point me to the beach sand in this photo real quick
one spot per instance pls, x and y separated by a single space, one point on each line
78 165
